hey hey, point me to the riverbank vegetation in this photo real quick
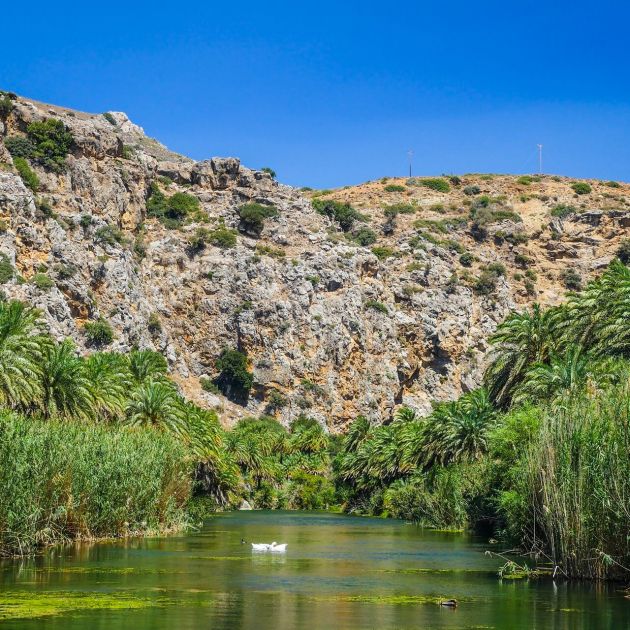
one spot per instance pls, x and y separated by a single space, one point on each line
539 457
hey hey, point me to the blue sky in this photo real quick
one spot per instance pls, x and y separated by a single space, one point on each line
333 93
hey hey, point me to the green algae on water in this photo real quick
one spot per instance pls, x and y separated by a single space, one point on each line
28 605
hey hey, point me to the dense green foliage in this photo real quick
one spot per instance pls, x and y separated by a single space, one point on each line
67 480
171 211
47 143
29 177
539 458
343 213
99 332
253 215
234 380
581 188
434 183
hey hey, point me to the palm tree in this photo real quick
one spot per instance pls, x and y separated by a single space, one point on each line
156 404
110 383
311 440
147 364
520 341
405 414
66 390
21 345
357 432
566 375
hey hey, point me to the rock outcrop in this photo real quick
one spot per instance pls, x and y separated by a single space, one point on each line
332 329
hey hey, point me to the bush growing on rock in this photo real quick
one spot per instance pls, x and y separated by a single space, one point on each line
623 251
253 215
364 236
6 106
269 171
343 213
471 191
19 146
6 269
571 279
235 380
42 282
29 177
382 253
562 211
99 333
109 235
581 188
51 143
171 211
376 306
434 183
466 259
394 188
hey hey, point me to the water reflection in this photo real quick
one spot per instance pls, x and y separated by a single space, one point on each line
338 571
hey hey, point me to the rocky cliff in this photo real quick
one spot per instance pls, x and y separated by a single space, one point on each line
394 310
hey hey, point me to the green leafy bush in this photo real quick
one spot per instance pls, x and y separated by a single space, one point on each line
471 191
42 282
222 237
394 188
376 306
19 146
581 188
613 184
235 380
342 213
434 183
6 269
364 236
253 215
99 333
382 253
623 251
571 279
525 180
29 177
154 325
109 235
562 211
171 211
109 118
486 283
51 143
466 259
269 171
6 106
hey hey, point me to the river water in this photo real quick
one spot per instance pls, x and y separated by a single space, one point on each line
338 572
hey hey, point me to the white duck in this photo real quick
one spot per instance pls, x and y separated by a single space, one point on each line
274 546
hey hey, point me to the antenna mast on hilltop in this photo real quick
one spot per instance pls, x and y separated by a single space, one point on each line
410 154
540 146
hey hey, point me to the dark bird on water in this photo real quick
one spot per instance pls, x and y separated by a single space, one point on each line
449 603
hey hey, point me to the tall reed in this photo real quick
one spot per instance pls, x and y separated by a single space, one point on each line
578 480
67 480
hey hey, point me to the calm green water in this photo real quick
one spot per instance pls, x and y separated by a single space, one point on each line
338 572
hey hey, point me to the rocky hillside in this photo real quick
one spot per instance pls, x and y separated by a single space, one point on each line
340 310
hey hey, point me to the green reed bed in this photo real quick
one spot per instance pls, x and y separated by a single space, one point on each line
577 483
66 480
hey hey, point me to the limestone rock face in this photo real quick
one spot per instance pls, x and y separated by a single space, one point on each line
331 328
